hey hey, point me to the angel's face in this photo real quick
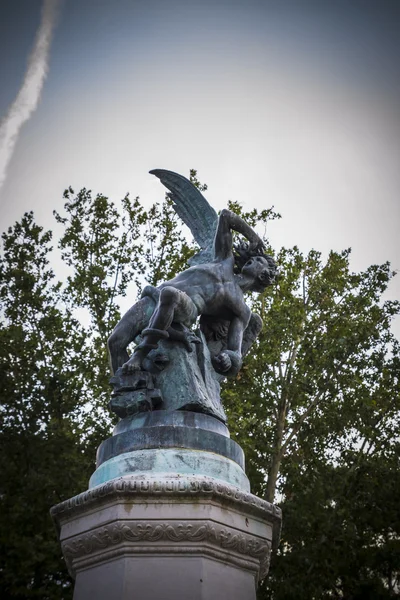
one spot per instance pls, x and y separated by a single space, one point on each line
260 270
255 266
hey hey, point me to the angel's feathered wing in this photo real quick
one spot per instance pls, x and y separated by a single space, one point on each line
194 210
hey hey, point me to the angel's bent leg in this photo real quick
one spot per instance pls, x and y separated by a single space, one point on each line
173 305
131 324
164 314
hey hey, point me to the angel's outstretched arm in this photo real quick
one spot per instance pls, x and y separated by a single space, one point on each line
228 222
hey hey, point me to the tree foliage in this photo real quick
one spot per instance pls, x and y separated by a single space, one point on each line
315 407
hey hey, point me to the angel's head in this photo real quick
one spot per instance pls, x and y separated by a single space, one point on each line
259 267
262 269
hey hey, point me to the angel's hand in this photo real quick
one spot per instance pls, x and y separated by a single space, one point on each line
256 246
222 362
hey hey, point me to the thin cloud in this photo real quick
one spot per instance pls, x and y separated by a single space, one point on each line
28 97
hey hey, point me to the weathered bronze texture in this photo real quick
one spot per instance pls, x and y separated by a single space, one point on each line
173 366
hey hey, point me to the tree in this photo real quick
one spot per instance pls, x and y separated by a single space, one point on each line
54 368
318 402
41 433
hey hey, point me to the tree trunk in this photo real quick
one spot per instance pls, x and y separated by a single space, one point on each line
273 471
273 476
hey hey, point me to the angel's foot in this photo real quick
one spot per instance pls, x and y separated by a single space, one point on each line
150 342
133 364
186 336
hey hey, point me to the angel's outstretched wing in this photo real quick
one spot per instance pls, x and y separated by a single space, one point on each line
194 210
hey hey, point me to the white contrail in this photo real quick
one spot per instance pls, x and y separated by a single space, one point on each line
28 96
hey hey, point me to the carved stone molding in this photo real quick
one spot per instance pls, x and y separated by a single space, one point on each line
130 487
157 533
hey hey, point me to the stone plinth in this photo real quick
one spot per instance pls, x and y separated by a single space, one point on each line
167 537
168 515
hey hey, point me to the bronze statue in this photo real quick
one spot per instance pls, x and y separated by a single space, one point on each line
211 290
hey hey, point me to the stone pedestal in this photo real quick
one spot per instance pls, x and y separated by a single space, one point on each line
173 522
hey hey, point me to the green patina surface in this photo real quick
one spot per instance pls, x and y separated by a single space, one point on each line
171 461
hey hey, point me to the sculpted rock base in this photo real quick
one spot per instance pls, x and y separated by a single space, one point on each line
172 378
167 537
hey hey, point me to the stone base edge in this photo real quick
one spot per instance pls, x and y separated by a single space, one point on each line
185 488
171 538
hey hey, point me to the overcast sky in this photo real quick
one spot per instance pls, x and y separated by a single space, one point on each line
293 103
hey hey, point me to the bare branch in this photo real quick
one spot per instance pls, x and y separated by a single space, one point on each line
295 430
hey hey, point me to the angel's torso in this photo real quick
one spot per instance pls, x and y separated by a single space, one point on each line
213 288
